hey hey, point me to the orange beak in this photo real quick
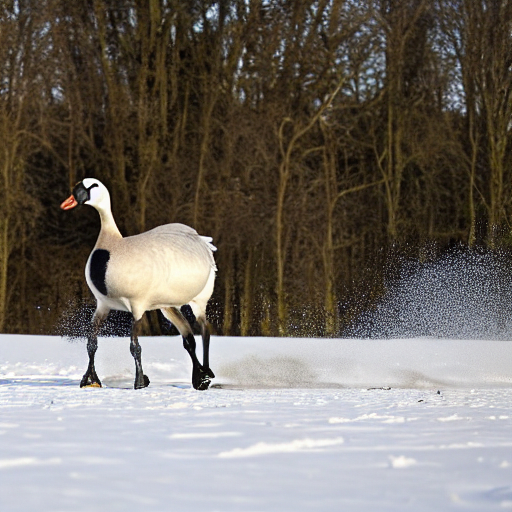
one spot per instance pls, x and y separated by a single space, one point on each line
69 203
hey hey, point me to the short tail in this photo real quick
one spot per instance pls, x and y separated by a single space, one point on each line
209 240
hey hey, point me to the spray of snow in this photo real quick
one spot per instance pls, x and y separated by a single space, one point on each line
462 295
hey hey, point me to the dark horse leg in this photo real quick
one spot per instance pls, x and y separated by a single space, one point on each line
205 335
141 380
90 378
201 373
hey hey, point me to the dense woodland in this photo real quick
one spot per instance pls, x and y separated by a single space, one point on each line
310 139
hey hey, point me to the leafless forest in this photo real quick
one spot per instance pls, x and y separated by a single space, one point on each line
310 139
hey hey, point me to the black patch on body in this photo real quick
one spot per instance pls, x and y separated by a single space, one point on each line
98 269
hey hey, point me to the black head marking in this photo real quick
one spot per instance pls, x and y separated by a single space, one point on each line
81 193
98 269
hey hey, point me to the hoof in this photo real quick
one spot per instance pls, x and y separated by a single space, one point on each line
201 378
143 384
90 381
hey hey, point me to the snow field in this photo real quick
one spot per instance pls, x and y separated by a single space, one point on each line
292 427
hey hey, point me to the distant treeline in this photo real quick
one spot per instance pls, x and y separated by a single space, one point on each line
309 138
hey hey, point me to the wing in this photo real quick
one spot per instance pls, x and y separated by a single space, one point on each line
183 240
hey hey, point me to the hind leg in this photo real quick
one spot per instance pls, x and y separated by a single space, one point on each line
198 305
205 335
201 375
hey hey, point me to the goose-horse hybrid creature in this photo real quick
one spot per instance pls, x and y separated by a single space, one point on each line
164 268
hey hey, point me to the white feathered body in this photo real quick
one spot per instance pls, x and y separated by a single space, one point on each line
170 265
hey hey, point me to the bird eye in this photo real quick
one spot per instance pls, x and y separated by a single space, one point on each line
80 193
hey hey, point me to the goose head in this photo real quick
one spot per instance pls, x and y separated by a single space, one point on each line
89 191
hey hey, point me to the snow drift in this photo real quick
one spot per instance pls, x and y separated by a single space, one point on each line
271 362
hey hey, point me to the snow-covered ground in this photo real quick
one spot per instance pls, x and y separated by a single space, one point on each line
290 425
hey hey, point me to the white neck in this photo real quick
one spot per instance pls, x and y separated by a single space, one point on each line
108 224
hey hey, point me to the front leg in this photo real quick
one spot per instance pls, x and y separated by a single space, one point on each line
90 378
141 380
